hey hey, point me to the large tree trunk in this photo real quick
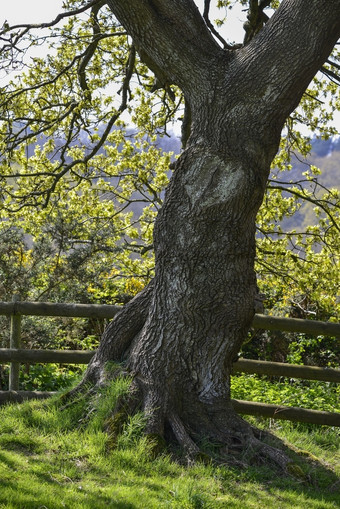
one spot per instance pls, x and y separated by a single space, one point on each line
204 289
179 337
184 331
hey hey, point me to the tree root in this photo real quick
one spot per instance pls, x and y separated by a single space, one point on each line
227 439
267 454
85 387
183 437
123 329
204 432
116 341
234 442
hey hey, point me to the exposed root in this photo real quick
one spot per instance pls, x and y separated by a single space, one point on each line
202 437
116 341
266 454
86 386
242 444
122 330
182 437
224 437
71 398
246 450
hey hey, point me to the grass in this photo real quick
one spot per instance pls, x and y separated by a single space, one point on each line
52 459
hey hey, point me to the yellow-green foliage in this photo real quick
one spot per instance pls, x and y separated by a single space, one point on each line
82 178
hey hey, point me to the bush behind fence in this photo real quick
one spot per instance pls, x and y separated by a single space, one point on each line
15 355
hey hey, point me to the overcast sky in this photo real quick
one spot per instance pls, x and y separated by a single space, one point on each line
34 11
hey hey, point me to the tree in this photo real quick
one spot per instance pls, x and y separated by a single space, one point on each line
177 339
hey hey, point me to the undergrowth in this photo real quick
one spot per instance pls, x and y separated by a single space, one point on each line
56 457
290 392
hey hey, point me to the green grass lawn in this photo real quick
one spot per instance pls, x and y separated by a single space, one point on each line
53 459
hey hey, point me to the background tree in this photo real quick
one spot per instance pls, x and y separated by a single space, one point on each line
179 336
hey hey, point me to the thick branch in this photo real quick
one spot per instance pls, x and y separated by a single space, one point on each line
289 51
171 37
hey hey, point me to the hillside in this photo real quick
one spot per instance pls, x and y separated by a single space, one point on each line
325 155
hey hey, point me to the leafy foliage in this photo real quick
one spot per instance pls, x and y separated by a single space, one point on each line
82 175
305 394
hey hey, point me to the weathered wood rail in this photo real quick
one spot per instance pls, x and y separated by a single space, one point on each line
108 311
15 355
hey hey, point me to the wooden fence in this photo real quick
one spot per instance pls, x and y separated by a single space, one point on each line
15 355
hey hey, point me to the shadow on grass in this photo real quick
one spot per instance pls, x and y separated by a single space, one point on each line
27 490
306 474
59 470
46 480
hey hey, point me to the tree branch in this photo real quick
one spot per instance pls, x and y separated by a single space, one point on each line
303 196
256 18
171 38
27 27
24 200
91 49
289 50
335 78
212 28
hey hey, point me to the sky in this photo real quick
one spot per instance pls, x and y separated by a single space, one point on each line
34 11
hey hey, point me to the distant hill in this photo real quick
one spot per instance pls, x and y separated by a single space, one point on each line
325 155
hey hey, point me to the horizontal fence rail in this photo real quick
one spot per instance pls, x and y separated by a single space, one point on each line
16 355
108 311
20 396
46 356
296 325
286 413
286 370
241 366
58 309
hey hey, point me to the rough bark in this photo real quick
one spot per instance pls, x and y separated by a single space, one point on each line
179 337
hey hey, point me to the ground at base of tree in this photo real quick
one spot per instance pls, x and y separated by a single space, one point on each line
55 459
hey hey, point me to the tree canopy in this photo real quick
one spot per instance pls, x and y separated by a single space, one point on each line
79 140
81 163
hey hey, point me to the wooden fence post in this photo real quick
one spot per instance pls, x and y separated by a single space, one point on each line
15 342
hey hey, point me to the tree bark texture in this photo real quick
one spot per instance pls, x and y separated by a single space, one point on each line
181 334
